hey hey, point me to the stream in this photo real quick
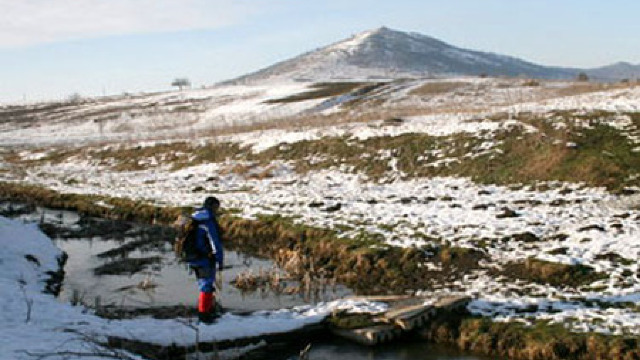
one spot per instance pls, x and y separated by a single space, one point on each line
130 270
406 350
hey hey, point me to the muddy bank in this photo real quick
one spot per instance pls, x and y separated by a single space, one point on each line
317 253
13 210
90 205
118 312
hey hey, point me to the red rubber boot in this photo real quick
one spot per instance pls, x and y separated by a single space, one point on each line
205 305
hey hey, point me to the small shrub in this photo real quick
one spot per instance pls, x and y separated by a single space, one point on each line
582 77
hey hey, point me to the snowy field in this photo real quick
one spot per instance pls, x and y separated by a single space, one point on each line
150 116
205 112
565 223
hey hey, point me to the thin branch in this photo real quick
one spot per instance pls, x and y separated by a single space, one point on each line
27 300
78 354
96 349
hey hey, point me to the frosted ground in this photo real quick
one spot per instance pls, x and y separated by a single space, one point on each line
568 223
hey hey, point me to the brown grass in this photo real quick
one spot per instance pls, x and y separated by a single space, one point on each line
556 274
437 88
513 340
539 158
239 169
579 88
531 83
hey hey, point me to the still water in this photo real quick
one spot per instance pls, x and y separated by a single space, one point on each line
396 351
167 283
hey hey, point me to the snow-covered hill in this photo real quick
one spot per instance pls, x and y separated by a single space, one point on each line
384 53
390 54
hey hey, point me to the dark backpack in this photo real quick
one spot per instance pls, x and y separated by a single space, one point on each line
185 244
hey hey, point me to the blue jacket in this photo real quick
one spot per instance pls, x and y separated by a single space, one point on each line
208 239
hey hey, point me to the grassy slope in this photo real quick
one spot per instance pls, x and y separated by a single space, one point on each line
602 155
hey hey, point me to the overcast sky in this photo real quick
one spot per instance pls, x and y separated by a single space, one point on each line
50 49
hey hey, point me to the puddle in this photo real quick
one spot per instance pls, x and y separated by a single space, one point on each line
166 282
125 265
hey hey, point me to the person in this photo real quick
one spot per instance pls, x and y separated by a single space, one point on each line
210 254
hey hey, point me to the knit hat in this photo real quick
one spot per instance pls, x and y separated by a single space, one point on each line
211 202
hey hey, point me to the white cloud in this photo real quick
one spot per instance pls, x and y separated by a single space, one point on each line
28 22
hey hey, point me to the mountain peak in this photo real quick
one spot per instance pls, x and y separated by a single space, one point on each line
383 40
386 31
384 53
358 39
381 30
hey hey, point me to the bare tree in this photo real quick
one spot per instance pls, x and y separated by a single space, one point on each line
181 83
75 98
